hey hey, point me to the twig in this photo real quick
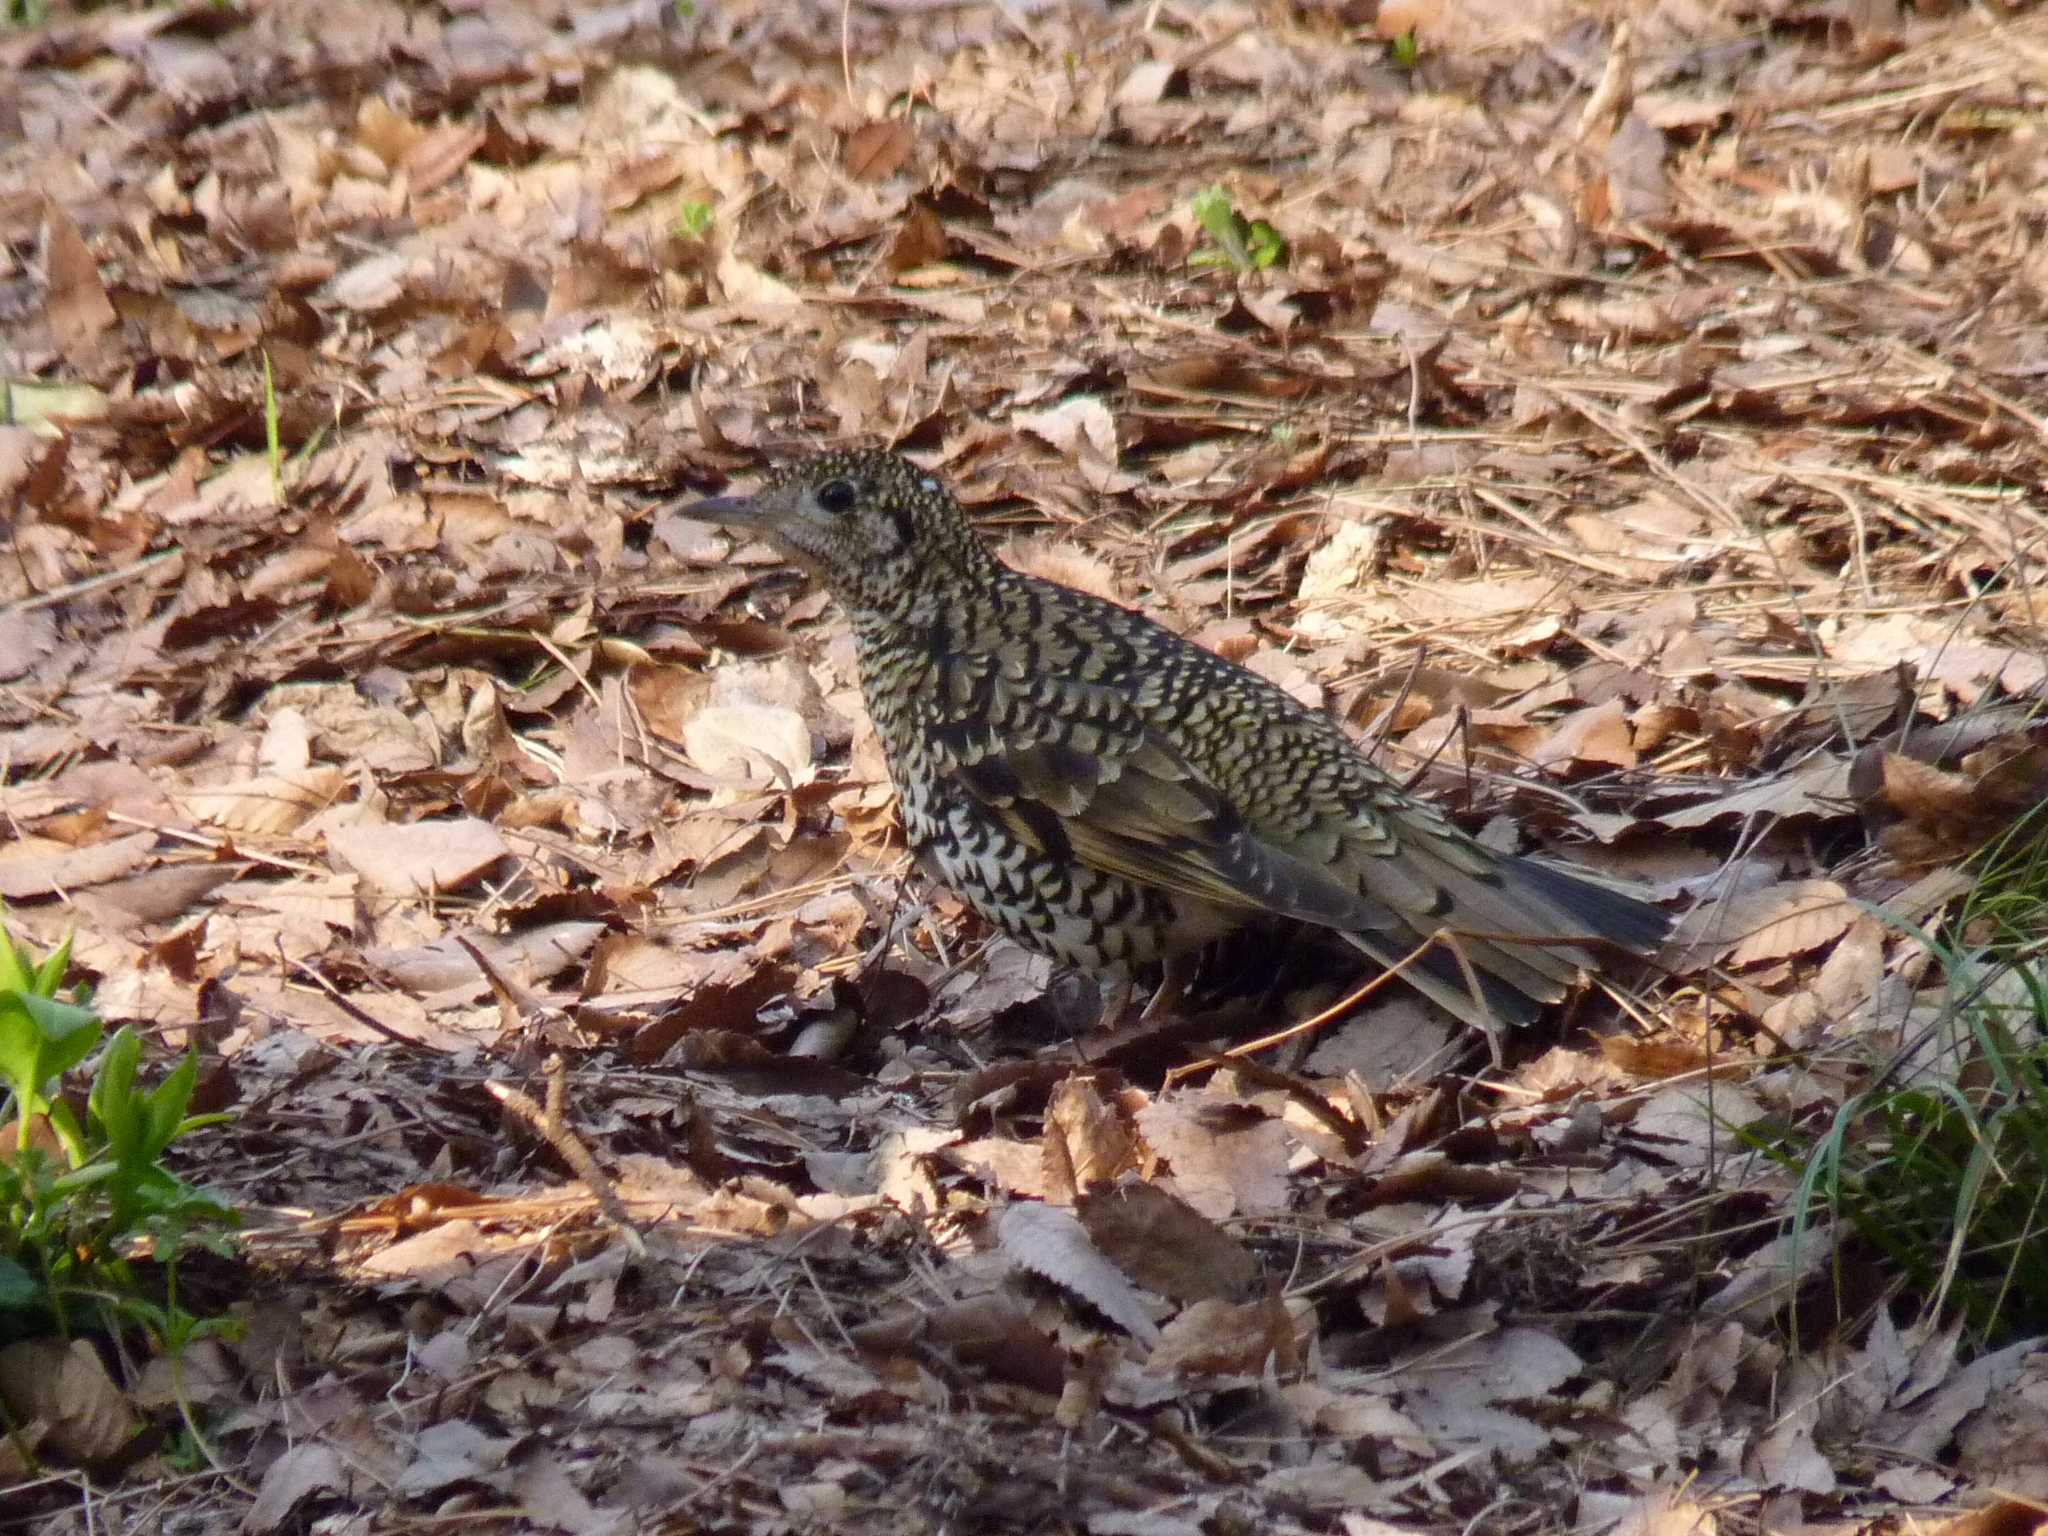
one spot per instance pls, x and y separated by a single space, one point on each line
550 1125
87 584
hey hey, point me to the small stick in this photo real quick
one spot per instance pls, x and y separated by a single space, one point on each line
551 1127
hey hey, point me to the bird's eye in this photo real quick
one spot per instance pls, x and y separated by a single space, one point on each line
838 496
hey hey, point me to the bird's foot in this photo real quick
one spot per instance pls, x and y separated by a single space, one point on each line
1120 1030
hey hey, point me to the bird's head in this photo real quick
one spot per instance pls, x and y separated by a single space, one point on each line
872 525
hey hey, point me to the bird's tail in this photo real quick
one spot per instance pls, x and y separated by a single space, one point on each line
1472 964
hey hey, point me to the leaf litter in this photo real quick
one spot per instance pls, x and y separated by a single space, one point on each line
1639 444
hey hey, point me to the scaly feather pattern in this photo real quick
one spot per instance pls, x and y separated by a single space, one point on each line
1115 796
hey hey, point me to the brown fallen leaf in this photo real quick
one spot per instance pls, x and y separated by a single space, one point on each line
418 858
920 240
1937 815
754 293
2001 1517
1165 1244
1073 426
64 1388
1654 1058
158 894
876 151
80 311
1014 1167
1599 736
271 804
1223 1338
1665 1513
1818 787
534 953
988 1331
1226 1160
1788 917
38 866
1087 1139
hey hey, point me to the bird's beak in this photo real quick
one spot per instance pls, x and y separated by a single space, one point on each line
741 513
734 511
767 515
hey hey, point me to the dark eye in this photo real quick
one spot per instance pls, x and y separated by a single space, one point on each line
838 496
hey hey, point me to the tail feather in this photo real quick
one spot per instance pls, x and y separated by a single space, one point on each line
1579 924
1601 911
1437 975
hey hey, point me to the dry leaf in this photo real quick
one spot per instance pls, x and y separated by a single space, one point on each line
1086 1140
750 744
1225 1161
753 292
1070 424
39 866
876 151
920 240
1788 918
270 805
302 1471
1222 1338
1599 735
420 858
1665 1513
64 1389
1165 1244
1050 1242
80 311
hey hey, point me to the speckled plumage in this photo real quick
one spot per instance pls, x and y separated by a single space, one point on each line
1114 796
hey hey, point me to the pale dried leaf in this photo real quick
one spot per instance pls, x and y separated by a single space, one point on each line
420 858
80 311
1224 1163
1788 918
1050 1241
750 744
1819 787
269 805
1223 1338
455 1451
1665 1513
1083 419
311 1467
40 866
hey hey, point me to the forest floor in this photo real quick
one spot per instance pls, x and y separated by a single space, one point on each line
1631 418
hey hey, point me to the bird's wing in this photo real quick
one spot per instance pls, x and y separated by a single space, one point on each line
1149 815
1081 772
1115 794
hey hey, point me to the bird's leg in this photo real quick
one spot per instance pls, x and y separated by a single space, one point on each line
1173 986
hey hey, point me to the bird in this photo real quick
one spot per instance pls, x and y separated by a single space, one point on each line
1118 798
